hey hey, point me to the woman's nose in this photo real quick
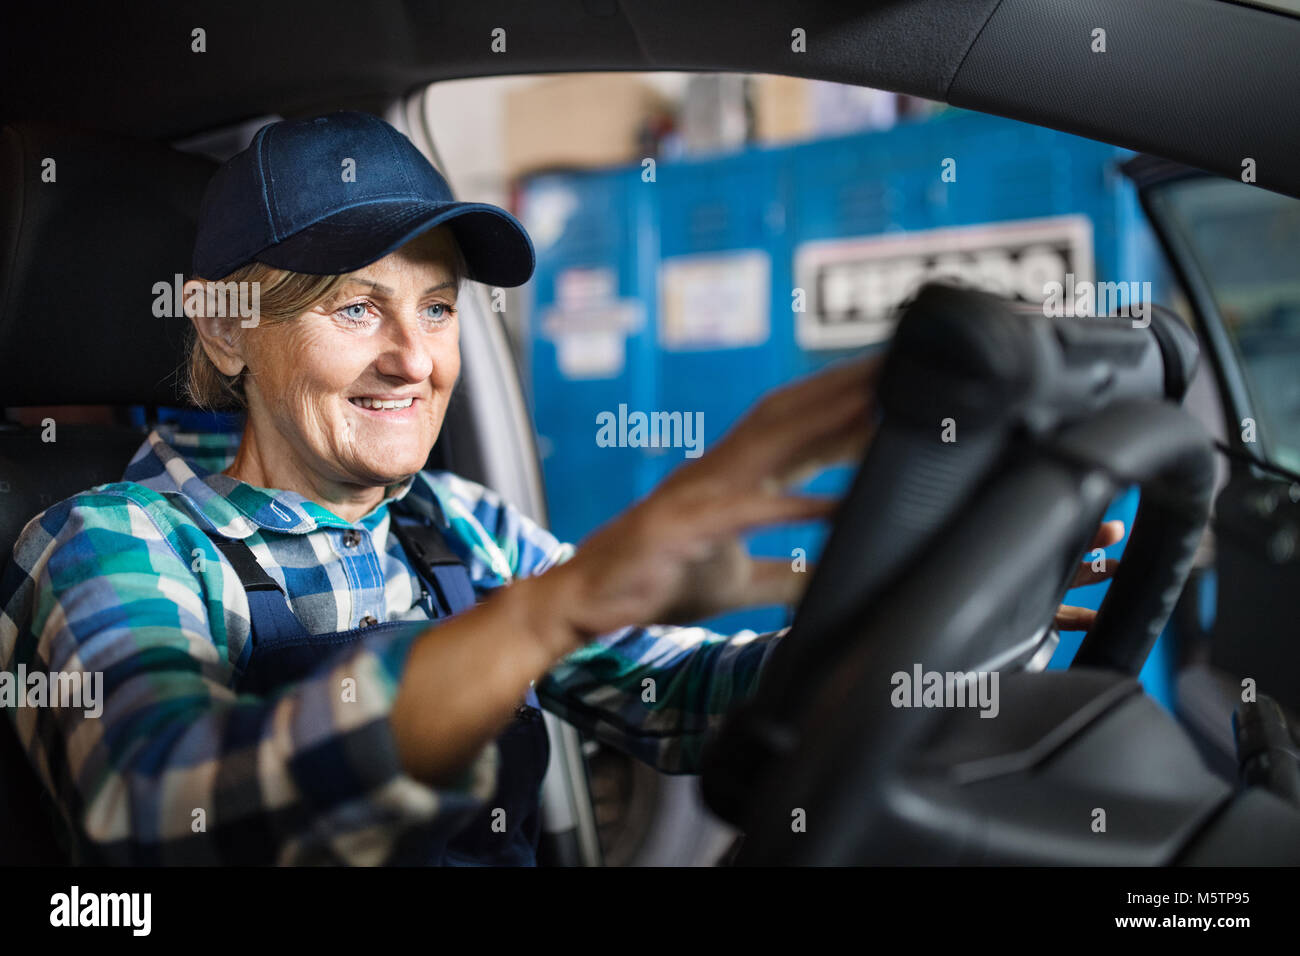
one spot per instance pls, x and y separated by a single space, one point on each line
406 354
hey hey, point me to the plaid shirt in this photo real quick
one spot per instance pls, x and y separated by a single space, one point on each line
179 768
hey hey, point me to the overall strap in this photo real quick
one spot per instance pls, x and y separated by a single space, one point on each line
437 565
270 616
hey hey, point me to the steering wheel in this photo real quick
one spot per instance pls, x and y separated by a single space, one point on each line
1004 435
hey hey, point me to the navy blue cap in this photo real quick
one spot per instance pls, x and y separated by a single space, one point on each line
291 200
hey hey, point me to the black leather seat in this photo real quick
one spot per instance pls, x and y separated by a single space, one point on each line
88 225
82 253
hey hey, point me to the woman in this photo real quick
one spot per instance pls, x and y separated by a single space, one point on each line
273 687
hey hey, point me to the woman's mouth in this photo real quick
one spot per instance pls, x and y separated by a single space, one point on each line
388 409
381 404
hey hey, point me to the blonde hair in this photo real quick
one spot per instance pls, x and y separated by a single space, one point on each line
284 296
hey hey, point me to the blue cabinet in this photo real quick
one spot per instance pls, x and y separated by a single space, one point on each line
699 290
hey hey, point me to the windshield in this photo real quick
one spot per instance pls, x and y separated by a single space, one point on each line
1247 245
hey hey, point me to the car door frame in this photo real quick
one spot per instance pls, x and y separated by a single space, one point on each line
1257 503
505 451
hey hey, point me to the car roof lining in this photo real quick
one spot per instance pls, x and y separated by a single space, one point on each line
122 68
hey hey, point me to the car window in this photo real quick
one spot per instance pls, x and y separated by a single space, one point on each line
1247 245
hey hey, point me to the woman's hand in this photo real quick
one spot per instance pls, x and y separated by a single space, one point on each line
677 555
1081 618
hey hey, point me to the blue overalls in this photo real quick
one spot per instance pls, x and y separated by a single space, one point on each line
284 652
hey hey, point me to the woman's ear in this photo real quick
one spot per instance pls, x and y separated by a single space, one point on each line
216 332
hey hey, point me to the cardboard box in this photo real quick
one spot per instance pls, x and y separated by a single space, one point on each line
578 121
788 109
782 109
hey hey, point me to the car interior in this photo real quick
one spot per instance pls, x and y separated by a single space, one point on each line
978 538
1059 415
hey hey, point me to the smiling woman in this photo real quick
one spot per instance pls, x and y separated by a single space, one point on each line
375 357
328 653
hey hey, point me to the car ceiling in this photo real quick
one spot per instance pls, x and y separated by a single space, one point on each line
1204 82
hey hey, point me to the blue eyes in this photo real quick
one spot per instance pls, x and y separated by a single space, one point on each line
358 313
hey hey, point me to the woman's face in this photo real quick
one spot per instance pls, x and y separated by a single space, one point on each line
351 395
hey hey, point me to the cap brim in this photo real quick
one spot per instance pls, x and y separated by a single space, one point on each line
496 247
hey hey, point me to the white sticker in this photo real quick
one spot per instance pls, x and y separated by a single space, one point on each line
589 323
590 354
715 301
853 287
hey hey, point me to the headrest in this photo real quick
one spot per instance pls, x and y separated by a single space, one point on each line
89 225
